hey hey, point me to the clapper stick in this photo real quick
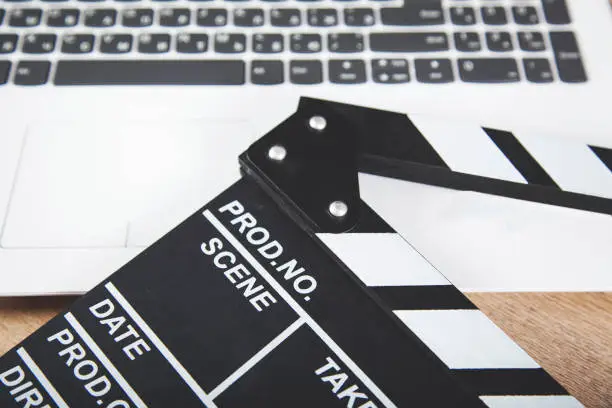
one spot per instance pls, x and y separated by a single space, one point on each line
264 298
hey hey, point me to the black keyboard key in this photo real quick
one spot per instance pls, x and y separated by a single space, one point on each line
211 17
322 17
268 43
488 70
192 43
567 56
29 17
153 43
390 71
347 71
248 17
462 15
137 17
409 42
531 41
174 17
494 15
116 43
77 43
413 13
153 72
434 71
285 17
499 41
305 72
8 43
100 17
556 12
305 43
5 70
230 43
62 17
38 43
525 15
359 17
537 70
267 72
2 13
467 41
345 42
32 72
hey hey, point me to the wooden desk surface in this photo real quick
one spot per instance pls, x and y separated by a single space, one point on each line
569 334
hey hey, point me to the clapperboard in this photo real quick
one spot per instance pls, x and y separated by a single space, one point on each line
286 290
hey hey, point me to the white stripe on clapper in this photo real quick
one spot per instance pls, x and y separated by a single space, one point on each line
42 378
299 310
178 367
104 360
256 358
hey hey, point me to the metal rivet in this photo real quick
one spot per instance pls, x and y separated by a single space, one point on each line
338 209
277 153
317 123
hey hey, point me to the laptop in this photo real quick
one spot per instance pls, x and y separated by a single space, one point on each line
120 118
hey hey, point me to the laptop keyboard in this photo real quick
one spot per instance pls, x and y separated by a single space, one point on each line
271 42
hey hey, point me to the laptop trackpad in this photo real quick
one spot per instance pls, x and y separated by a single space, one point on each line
112 185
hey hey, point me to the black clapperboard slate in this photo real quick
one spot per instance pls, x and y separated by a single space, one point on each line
242 305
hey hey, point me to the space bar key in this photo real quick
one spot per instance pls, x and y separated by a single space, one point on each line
143 72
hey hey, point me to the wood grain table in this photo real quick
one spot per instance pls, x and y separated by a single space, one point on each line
569 334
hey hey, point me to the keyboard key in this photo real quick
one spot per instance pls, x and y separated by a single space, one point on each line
137 17
345 42
413 13
77 43
5 70
556 12
268 43
32 73
305 72
285 17
152 72
153 43
433 71
408 42
305 43
38 43
2 13
212 17
525 15
488 70
567 56
62 17
494 15
531 41
248 17
116 43
25 17
462 15
390 71
347 71
8 43
174 17
100 17
192 43
537 70
230 43
359 17
467 41
267 72
322 17
499 41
